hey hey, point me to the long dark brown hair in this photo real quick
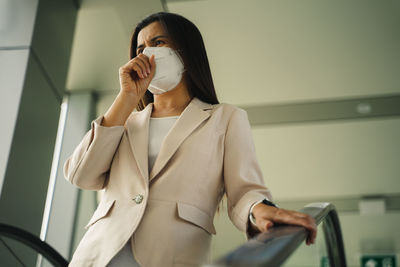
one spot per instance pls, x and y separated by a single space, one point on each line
189 43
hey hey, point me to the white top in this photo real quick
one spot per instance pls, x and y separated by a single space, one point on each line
158 129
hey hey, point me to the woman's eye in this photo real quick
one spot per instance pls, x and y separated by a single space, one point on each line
158 42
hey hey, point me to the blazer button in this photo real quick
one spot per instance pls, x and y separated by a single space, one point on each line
138 199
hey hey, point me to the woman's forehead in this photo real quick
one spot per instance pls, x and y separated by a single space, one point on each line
150 31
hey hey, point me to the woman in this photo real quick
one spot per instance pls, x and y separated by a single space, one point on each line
166 167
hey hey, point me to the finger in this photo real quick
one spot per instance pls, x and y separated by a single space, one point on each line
314 234
146 61
135 67
291 217
312 231
309 240
141 65
299 214
144 65
131 66
297 218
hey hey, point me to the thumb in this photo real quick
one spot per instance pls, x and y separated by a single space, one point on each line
264 225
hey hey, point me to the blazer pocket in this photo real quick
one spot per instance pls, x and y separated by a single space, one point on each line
101 211
196 216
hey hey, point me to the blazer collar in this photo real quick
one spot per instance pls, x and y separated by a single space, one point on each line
138 134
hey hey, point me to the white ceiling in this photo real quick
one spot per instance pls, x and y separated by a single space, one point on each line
260 51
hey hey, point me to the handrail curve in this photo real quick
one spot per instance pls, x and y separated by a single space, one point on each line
32 241
274 247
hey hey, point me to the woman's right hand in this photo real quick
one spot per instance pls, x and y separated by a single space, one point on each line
136 75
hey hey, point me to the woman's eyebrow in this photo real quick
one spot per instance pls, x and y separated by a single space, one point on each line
152 40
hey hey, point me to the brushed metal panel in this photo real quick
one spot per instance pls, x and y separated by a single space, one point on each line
28 168
52 40
12 72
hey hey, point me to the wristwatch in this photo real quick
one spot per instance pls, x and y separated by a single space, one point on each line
264 201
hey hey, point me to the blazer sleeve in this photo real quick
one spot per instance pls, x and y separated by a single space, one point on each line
244 183
88 166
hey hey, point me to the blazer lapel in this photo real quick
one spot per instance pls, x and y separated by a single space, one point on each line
190 118
138 133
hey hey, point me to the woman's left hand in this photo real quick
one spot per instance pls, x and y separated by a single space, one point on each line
266 216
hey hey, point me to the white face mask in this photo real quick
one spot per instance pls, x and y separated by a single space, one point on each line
169 69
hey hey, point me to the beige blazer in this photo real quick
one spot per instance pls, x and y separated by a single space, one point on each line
167 214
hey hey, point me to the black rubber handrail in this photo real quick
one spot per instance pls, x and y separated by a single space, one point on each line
277 245
32 241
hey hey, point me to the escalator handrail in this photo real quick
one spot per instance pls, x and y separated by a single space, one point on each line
32 241
275 246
